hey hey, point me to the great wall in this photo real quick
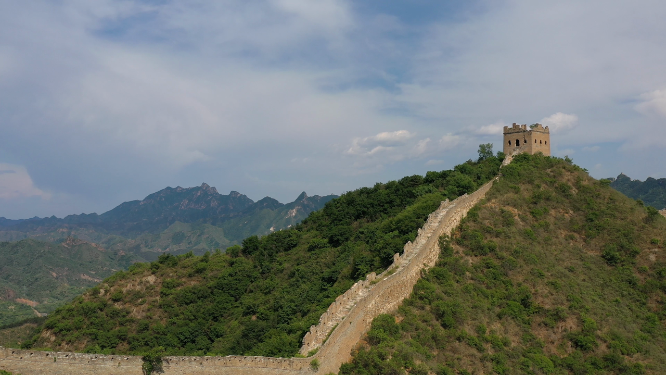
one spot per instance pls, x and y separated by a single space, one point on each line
339 330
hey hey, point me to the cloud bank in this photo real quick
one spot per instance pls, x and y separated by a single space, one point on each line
104 101
15 182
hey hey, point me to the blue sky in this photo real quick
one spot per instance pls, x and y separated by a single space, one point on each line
107 101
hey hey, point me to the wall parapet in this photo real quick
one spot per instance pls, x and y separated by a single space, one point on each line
339 309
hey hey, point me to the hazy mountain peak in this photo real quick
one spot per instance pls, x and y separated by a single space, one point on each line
207 188
302 197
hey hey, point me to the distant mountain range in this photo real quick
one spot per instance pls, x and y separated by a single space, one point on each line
45 262
652 191
160 210
176 220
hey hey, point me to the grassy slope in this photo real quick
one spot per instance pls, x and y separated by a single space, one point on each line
553 273
262 298
13 335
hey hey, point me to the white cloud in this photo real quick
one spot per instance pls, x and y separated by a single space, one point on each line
449 141
653 103
560 122
422 147
332 15
492 129
15 182
435 162
591 148
384 141
391 138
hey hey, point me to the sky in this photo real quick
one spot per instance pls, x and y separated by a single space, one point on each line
107 101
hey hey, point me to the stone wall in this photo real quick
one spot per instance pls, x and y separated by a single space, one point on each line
395 284
345 302
347 319
29 362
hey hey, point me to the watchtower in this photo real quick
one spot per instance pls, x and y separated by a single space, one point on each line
532 139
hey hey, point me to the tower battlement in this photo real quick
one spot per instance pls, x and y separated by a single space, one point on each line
531 139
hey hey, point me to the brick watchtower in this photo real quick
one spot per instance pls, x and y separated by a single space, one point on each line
520 138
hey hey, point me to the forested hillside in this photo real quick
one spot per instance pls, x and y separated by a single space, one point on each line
36 277
49 261
651 191
553 273
259 298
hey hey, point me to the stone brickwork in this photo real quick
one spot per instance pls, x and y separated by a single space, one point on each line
395 284
359 291
29 362
520 138
346 320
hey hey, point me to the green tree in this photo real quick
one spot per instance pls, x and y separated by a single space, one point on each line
485 151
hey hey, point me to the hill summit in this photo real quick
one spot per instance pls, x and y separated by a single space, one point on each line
552 273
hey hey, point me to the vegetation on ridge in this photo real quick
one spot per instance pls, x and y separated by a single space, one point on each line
261 298
552 273
651 191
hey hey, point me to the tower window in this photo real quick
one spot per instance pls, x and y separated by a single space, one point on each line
509 143
540 142
546 142
535 141
517 142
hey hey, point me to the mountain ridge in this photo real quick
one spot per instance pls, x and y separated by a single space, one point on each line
142 220
651 191
553 273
